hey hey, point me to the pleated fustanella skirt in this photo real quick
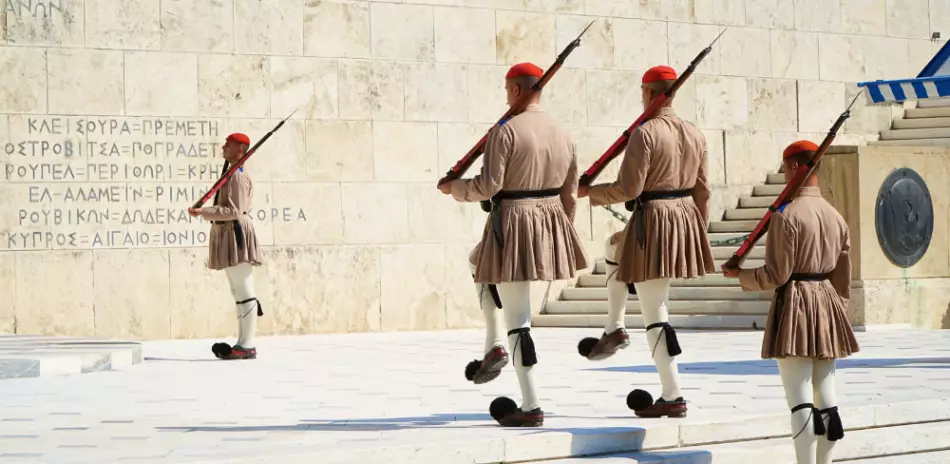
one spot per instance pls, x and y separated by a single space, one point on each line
540 244
809 320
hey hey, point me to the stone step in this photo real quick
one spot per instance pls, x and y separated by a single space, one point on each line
733 226
757 202
720 255
720 236
914 134
768 190
933 103
679 307
681 322
913 143
921 123
933 457
600 267
697 294
745 214
708 280
916 113
776 178
40 356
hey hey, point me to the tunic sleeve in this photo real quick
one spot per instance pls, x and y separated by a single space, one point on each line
235 204
779 258
701 188
840 276
569 189
492 176
633 173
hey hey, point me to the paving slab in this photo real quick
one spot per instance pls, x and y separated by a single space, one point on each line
37 356
402 397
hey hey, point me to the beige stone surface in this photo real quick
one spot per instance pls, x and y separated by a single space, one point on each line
525 36
887 58
906 18
101 82
746 52
437 218
461 299
640 44
126 307
772 104
24 76
283 157
819 105
725 12
597 45
40 311
445 102
236 86
556 6
321 221
402 32
342 292
684 102
612 8
455 140
336 29
716 164
123 24
375 213
849 63
476 45
405 151
668 10
44 23
339 151
180 31
725 197
939 14
271 27
565 98
794 54
592 142
750 156
611 100
412 278
864 17
8 321
865 119
772 14
486 91
199 295
371 90
922 303
722 102
687 40
918 55
147 92
838 186
818 15
308 85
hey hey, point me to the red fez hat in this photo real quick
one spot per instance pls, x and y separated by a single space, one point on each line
799 147
524 69
239 138
659 73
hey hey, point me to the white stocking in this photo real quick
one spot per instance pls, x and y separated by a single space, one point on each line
823 386
797 379
241 279
616 291
516 299
493 323
653 295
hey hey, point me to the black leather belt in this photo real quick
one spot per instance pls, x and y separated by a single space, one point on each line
238 230
780 294
636 206
513 195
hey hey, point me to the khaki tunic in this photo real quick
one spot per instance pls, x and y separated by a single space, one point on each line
810 320
529 152
665 153
234 201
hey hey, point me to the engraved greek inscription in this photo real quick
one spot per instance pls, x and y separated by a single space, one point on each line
43 171
41 9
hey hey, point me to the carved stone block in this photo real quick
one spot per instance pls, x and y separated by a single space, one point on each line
147 92
97 72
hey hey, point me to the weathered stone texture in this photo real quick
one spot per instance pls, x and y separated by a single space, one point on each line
336 29
147 92
308 85
613 8
818 15
234 85
402 32
97 73
375 213
340 151
908 18
269 27
213 33
475 45
41 311
405 151
371 90
127 307
8 288
864 17
794 54
772 104
597 50
686 40
58 23
124 24
745 52
819 104
640 44
772 14
722 102
444 102
23 72
523 36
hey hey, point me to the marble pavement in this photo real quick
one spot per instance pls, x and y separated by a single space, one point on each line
402 397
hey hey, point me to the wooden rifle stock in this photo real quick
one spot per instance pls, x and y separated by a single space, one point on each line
617 147
237 165
466 162
789 191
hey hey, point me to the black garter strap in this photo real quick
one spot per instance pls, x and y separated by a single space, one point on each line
493 290
815 415
260 310
835 429
529 356
672 343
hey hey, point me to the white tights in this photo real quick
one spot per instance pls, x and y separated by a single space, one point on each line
808 380
653 295
241 280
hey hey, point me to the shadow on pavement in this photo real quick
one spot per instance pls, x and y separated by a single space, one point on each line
769 367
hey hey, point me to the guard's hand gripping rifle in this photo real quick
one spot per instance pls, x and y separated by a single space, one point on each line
228 172
463 164
789 190
595 169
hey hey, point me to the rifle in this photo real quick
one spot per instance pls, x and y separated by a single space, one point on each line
591 173
790 189
228 172
463 164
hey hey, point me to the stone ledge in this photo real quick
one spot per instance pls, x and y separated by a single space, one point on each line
24 356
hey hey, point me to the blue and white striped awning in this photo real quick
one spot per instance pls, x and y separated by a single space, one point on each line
906 89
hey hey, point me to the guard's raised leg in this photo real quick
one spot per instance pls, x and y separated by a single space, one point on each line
664 346
516 298
495 357
615 337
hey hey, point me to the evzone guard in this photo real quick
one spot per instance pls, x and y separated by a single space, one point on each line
233 248
808 265
663 178
530 174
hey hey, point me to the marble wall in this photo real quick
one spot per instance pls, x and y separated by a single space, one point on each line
112 113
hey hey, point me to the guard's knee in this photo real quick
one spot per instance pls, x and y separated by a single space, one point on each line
524 345
244 309
610 247
672 343
815 416
835 429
